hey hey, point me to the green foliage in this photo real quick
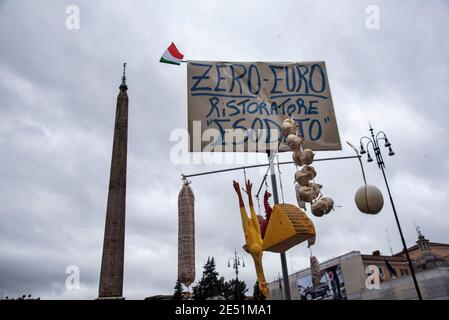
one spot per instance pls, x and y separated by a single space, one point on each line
257 295
210 285
230 292
178 291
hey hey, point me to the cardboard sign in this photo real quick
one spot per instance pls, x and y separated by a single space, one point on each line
240 106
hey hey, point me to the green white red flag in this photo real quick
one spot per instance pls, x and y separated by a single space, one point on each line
172 55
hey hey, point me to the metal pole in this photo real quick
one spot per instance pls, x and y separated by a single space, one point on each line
185 176
381 164
236 261
276 201
410 264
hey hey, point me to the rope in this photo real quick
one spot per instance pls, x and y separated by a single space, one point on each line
263 180
363 172
268 169
280 179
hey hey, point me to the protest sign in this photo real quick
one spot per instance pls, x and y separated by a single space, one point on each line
242 105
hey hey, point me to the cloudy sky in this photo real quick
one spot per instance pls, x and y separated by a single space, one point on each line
58 89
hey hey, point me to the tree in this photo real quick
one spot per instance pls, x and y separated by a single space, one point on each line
178 291
231 290
228 291
257 295
209 285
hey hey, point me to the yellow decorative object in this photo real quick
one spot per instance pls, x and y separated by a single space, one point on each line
288 226
253 238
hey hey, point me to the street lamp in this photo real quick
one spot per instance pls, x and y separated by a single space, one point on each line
374 142
235 265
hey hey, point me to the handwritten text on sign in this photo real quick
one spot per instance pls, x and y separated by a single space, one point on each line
256 97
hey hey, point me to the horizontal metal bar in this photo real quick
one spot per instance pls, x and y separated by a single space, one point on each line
184 176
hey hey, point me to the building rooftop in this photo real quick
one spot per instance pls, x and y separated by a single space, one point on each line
415 247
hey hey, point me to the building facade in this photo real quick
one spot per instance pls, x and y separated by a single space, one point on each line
353 276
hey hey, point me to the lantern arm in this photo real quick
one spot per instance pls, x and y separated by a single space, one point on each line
235 261
368 143
369 140
381 138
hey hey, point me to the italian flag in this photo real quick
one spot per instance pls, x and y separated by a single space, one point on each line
172 55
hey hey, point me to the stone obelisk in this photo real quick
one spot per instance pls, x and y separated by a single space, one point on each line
111 276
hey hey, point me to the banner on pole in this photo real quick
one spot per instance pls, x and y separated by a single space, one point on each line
240 106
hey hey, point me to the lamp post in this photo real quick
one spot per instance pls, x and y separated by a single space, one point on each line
235 265
374 141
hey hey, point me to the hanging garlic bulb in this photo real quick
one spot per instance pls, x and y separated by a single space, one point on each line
297 157
318 208
307 193
316 188
306 190
289 127
294 142
307 156
329 202
304 175
322 206
302 178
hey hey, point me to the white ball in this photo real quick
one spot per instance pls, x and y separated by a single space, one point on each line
369 199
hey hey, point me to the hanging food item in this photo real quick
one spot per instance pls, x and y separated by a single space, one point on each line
368 198
310 192
302 178
316 188
307 157
294 142
289 127
329 202
315 271
318 208
296 156
306 191
186 235
322 206
304 175
288 226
